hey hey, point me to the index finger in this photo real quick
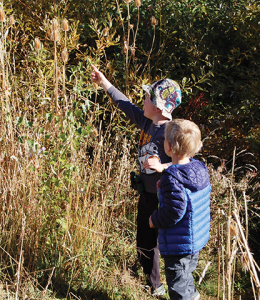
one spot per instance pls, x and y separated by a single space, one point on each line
94 68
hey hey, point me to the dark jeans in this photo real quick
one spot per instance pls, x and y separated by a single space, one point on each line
147 248
178 271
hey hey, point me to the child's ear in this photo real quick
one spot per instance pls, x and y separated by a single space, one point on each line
169 147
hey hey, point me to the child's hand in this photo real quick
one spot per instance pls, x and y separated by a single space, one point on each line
153 163
99 78
151 222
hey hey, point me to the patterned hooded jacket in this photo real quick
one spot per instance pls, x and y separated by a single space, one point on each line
183 217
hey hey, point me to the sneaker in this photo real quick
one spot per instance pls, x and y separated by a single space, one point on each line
160 291
196 295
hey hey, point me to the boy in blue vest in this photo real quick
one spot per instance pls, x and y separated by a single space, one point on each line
162 97
183 217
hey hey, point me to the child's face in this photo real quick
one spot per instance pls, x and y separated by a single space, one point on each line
149 109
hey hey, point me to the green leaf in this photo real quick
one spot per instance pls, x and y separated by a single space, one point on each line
76 143
82 121
20 139
78 113
84 108
63 223
29 124
30 143
49 117
201 89
19 121
84 132
57 183
63 137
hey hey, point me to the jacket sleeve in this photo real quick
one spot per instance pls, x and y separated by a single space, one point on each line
133 112
173 205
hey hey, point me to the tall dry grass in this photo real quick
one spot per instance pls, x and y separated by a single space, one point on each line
229 234
67 212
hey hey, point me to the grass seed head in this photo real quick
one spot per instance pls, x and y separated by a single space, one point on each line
138 3
65 25
105 32
125 48
11 20
133 51
153 21
95 132
58 74
233 230
245 261
38 44
55 94
55 24
2 15
64 55
54 33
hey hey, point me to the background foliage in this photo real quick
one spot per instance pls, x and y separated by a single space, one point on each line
210 47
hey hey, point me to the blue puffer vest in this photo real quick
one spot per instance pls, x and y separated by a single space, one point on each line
183 217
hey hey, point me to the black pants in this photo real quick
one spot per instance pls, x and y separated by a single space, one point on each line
147 248
178 271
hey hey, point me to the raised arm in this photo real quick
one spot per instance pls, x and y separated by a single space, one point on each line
133 112
99 78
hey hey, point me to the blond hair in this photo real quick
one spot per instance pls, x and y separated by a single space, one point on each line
184 137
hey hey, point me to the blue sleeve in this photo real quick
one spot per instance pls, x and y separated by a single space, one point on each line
174 204
134 113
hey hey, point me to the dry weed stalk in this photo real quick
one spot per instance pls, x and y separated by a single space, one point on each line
126 43
126 37
219 255
154 22
249 256
229 260
233 240
2 47
138 4
20 258
55 36
65 55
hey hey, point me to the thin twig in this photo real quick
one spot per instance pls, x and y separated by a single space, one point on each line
246 213
20 259
48 283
